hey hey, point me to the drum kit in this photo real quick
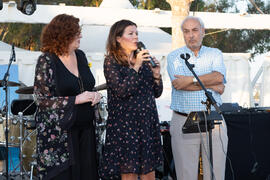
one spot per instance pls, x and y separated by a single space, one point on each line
20 133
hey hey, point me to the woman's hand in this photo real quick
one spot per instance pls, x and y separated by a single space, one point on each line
88 96
156 70
142 56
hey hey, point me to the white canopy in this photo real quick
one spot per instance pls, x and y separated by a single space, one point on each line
265 86
113 11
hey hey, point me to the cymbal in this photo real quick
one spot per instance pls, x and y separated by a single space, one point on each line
9 83
25 90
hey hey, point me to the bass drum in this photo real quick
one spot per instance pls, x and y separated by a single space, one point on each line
29 151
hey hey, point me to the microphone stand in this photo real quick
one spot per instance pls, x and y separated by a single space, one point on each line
209 101
5 87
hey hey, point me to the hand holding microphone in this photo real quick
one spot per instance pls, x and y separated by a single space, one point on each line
141 47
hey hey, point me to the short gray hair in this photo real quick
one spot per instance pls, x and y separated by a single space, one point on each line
194 18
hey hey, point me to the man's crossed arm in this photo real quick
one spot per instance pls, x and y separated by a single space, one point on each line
212 81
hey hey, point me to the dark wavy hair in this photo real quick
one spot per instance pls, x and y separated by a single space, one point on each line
113 47
59 33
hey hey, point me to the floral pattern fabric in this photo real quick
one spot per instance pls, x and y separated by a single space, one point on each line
54 116
132 133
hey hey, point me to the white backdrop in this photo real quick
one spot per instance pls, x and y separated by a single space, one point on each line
265 86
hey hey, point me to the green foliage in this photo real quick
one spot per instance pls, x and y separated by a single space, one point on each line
151 4
26 36
197 5
253 41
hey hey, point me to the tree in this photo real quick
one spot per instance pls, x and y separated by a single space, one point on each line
151 4
230 41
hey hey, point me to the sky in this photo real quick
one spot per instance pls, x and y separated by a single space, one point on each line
13 76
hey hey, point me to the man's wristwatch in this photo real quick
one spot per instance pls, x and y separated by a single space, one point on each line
194 81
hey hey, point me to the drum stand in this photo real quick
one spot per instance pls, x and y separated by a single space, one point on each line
21 138
21 155
5 85
21 142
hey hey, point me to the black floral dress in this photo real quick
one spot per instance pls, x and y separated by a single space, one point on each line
132 133
66 144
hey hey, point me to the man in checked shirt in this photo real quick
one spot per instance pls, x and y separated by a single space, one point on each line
187 96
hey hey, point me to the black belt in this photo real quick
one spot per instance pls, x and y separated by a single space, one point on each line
182 114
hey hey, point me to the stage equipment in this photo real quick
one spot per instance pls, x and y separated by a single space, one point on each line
25 90
209 101
195 122
5 84
21 133
9 83
27 7
29 153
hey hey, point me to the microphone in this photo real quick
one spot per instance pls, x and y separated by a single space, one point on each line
141 46
185 56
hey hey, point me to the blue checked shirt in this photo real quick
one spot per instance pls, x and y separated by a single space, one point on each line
207 61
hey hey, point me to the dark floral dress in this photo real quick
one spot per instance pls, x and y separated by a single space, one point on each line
59 121
132 133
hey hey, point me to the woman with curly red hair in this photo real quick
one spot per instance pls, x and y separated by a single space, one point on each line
63 86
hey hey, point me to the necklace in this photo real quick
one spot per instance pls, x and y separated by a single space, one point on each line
80 83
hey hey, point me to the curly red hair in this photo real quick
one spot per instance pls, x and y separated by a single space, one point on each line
59 33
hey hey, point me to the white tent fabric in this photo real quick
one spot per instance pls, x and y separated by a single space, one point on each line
7 47
238 86
265 86
95 38
26 61
147 18
116 4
